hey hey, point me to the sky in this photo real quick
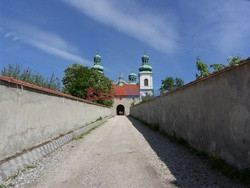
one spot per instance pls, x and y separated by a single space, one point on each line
50 35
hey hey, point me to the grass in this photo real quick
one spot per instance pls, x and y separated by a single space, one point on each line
99 119
11 185
5 186
214 161
78 137
29 166
85 133
26 167
12 176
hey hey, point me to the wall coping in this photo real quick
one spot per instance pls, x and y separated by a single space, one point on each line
195 82
46 90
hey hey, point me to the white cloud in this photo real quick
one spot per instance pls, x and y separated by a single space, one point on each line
222 25
46 41
145 27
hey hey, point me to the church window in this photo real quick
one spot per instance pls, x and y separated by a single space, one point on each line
146 82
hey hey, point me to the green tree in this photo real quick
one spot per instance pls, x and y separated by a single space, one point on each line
179 82
232 61
78 79
146 98
167 84
26 75
53 82
13 70
217 67
170 83
203 68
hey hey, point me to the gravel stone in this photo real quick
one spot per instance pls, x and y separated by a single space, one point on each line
121 153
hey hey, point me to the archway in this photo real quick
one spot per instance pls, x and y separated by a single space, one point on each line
120 110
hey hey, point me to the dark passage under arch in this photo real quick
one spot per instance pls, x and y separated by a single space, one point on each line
120 110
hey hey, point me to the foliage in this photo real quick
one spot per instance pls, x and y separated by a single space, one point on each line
232 61
146 98
99 119
217 67
203 68
26 75
132 104
179 82
78 79
170 83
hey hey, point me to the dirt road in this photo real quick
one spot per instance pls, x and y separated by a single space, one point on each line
124 153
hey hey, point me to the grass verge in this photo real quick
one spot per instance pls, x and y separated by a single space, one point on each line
214 161
78 137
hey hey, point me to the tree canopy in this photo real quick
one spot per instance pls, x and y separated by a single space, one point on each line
170 83
217 67
232 61
202 67
27 75
78 79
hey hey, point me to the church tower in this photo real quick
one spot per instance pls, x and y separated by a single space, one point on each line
145 77
97 64
132 78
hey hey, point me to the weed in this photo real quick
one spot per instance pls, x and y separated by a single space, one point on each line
29 166
86 133
99 119
12 176
11 185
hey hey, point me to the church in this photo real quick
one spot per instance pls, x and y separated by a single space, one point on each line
130 92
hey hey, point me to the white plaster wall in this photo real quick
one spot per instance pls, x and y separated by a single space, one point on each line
29 118
142 77
212 115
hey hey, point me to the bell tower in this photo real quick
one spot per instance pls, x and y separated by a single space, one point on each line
97 64
145 77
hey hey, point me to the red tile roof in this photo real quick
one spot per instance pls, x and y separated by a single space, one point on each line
127 90
45 90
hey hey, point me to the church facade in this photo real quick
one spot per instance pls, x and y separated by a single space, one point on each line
130 92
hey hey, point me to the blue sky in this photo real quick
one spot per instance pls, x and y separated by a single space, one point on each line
50 35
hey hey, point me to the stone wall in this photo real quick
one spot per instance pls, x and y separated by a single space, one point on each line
31 115
212 114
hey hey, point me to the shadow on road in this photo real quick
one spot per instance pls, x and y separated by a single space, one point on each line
188 169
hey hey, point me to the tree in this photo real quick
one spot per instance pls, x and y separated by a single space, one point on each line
146 97
178 82
78 79
217 67
203 68
26 75
232 61
53 83
170 83
13 70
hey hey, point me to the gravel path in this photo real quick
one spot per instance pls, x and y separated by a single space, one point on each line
121 153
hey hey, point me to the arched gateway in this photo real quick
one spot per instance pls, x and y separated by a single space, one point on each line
120 110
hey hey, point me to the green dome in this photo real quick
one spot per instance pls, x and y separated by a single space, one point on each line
132 78
97 58
98 67
132 75
145 64
145 68
97 63
145 58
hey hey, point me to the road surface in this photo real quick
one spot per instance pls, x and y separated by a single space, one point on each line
124 153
